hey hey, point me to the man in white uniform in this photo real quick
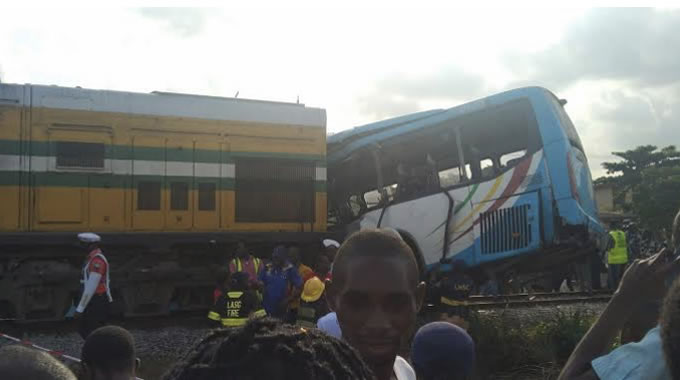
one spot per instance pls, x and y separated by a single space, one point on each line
93 308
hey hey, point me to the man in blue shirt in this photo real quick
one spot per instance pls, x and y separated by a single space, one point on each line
281 282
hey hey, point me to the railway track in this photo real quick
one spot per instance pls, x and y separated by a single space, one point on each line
197 318
526 300
537 299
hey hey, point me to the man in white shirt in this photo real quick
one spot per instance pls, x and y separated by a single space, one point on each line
376 294
329 324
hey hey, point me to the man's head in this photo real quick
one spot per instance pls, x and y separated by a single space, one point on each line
89 241
670 329
376 293
615 225
109 354
239 281
331 248
294 254
322 265
241 250
442 351
279 256
19 362
268 349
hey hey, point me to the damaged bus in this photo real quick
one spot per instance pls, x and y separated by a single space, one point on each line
501 183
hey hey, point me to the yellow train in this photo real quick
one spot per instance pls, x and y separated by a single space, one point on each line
169 181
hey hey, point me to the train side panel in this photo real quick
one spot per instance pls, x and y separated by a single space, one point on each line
157 154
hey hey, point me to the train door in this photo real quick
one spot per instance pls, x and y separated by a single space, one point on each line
179 178
12 130
207 168
73 161
148 173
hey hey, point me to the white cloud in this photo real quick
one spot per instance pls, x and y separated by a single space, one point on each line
364 64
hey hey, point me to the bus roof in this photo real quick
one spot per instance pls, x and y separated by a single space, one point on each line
342 145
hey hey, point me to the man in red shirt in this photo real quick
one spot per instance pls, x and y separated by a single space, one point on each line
95 302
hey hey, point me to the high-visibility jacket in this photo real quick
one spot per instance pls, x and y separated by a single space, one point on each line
252 267
239 266
234 309
308 313
96 262
618 254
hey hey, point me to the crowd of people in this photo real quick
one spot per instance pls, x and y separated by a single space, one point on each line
349 315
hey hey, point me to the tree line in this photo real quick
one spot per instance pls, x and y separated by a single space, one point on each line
652 177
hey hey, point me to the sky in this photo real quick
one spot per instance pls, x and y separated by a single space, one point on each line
619 69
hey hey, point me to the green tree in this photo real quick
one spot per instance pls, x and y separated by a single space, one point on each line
652 176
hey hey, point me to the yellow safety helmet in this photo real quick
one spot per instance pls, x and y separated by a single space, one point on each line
313 289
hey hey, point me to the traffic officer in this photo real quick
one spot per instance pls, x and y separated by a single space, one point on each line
617 256
238 304
95 302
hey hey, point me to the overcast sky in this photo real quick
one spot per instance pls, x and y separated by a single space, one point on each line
618 68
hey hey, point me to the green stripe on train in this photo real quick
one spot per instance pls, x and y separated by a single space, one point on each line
127 152
126 181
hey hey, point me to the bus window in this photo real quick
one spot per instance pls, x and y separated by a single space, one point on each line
453 176
498 138
568 126
487 167
356 205
374 198
510 159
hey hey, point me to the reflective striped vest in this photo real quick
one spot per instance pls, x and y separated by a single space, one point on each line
239 265
307 315
235 308
618 254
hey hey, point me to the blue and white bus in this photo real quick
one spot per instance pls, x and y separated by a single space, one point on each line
501 183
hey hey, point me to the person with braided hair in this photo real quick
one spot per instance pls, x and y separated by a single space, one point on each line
265 348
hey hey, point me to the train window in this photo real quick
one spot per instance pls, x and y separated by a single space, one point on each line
274 190
148 195
80 155
179 196
206 196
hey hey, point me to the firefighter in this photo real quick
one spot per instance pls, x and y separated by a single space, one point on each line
95 303
455 289
238 304
313 303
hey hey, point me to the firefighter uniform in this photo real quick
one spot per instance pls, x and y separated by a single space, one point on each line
312 306
96 296
235 307
454 294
